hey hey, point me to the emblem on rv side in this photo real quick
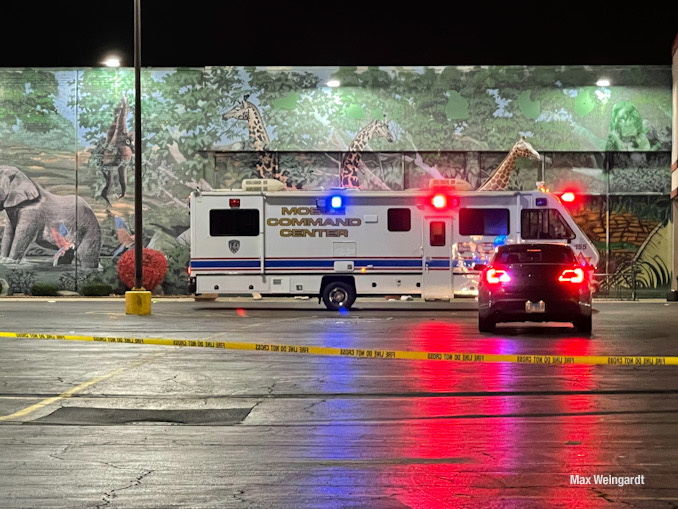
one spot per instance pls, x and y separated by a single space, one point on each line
234 245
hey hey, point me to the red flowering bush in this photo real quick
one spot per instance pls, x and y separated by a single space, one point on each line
154 268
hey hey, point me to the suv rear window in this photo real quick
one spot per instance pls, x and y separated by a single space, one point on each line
541 254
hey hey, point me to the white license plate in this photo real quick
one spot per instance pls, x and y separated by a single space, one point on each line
535 307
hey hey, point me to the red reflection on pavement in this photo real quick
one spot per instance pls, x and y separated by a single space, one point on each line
504 432
572 346
455 431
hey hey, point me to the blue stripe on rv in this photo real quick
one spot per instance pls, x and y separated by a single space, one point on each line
295 264
330 263
223 264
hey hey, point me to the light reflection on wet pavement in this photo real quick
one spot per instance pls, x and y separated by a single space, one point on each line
342 432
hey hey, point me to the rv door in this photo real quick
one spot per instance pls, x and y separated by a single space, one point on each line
437 253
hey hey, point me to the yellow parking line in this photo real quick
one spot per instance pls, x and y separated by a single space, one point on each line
77 389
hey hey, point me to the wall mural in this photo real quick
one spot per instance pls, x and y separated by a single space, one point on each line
499 179
114 154
37 215
353 160
67 143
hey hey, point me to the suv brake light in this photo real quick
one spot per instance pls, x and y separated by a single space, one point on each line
495 276
575 275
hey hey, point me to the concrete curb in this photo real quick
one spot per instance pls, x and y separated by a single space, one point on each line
155 299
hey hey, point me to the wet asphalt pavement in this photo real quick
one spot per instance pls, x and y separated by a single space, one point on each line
85 424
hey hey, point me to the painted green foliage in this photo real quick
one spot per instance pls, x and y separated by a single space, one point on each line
289 102
28 111
529 108
178 114
584 103
457 107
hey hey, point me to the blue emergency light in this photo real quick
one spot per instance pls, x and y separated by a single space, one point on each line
336 202
333 204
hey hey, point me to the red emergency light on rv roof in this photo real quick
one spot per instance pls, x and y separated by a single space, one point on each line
444 201
438 200
570 194
568 197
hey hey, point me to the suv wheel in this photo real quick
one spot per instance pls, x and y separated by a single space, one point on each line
583 324
485 324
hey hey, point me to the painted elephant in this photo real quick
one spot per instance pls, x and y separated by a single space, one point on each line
51 221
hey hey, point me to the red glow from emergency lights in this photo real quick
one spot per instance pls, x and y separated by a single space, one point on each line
495 276
568 197
439 201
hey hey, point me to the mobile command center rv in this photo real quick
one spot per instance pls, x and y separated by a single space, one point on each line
340 244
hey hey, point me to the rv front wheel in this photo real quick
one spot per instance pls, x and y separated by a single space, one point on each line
337 295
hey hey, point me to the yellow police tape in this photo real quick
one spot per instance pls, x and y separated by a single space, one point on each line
616 360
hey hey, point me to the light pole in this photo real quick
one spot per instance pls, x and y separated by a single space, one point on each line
138 300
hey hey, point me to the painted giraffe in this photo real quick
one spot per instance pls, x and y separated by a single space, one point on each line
499 178
353 160
268 162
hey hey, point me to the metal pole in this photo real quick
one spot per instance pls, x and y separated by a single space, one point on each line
138 223
77 188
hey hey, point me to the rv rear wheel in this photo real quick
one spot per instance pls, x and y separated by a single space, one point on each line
337 295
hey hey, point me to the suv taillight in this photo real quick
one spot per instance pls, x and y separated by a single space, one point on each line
575 276
496 276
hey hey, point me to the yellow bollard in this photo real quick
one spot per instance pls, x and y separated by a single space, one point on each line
138 302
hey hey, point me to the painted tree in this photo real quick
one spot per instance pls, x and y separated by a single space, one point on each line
178 121
28 111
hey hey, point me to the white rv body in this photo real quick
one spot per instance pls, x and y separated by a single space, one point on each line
377 243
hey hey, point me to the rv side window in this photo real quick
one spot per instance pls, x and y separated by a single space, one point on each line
437 233
483 221
399 220
544 224
234 223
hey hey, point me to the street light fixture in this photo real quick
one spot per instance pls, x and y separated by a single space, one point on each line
112 61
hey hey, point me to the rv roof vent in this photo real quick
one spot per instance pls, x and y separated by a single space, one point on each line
451 184
262 185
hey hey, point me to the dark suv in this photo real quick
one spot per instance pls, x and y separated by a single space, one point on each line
534 283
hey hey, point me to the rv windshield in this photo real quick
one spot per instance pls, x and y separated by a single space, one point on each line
544 224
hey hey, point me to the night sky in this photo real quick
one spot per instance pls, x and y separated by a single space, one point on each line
80 33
